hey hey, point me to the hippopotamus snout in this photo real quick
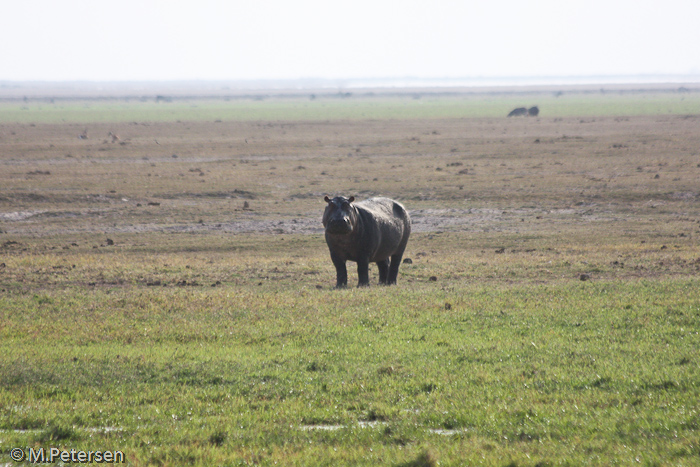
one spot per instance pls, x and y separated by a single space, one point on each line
339 225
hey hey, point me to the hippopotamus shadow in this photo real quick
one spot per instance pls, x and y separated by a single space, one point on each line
372 231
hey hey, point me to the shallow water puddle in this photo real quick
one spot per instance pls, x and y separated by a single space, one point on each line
443 432
322 427
361 424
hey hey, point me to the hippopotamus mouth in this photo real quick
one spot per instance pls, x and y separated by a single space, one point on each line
339 227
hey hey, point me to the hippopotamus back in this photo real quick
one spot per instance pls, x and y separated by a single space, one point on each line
375 230
519 112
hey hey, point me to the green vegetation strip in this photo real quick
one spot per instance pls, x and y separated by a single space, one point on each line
362 107
576 373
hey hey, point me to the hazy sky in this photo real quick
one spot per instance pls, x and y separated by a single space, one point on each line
290 39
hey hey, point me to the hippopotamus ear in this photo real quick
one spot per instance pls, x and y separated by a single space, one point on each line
351 199
327 199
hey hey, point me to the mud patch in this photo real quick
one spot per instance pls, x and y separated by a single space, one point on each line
238 194
18 215
422 220
431 220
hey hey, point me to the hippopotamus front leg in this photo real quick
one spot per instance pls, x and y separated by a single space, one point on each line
341 272
383 270
363 272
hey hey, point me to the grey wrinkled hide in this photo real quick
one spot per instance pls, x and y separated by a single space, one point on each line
372 231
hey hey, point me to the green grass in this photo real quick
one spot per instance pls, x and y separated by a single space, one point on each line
608 367
509 369
253 369
353 108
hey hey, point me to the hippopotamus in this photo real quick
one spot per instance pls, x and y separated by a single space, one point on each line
519 112
374 230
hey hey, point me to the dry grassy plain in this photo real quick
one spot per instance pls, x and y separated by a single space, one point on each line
622 186
175 287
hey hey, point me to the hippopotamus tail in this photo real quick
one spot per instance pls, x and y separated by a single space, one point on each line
401 214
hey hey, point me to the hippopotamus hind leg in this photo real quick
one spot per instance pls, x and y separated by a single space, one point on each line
394 267
383 270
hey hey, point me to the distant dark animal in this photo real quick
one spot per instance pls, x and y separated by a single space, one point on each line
114 137
519 112
372 231
533 111
84 134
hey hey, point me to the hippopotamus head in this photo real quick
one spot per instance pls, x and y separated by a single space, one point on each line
339 217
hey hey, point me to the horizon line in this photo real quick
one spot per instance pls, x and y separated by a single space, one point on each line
511 80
